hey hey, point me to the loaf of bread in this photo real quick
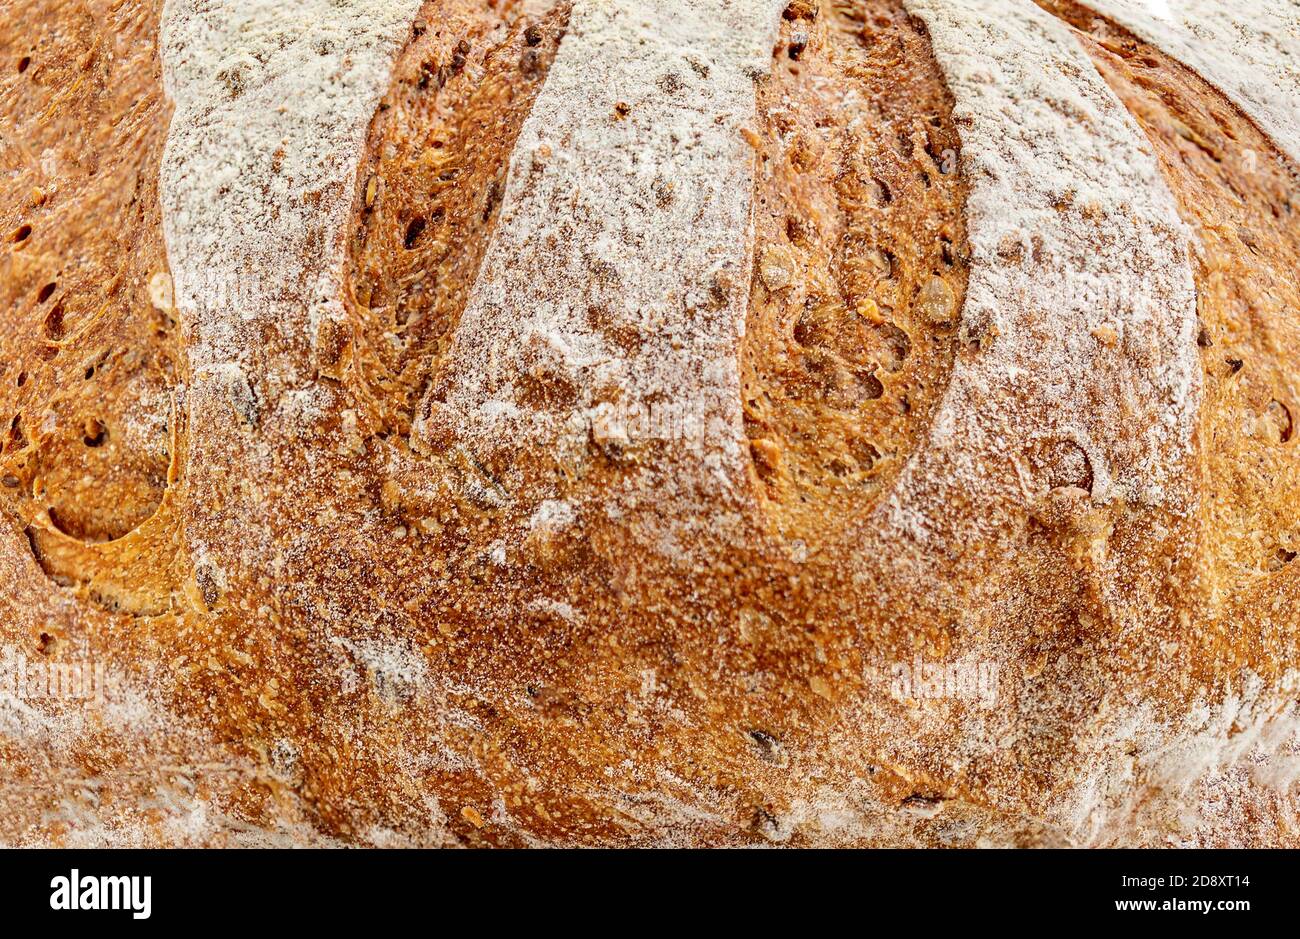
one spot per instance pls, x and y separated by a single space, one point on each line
615 422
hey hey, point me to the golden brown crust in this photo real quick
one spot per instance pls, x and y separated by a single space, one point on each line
1239 192
459 94
339 635
860 262
90 360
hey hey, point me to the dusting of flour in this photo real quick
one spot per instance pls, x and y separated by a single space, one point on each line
619 269
1081 293
272 102
1248 49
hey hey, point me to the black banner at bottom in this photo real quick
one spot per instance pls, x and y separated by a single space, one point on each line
339 889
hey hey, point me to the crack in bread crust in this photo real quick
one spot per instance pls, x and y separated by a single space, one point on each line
87 384
90 342
860 263
1242 198
461 91
1248 49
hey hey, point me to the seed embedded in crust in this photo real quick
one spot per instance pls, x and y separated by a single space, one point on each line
937 302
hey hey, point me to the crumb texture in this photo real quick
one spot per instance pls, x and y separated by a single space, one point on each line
90 360
461 91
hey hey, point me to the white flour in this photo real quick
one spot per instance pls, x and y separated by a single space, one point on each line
1248 49
627 212
1074 236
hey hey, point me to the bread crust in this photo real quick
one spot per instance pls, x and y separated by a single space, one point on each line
338 601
